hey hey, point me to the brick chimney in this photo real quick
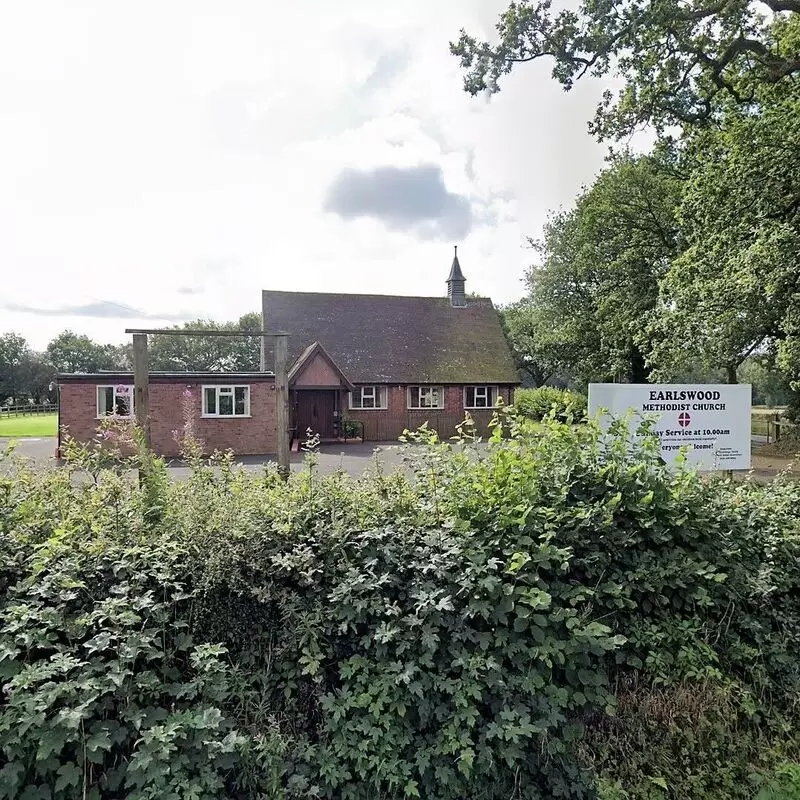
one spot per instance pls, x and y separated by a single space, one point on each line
456 283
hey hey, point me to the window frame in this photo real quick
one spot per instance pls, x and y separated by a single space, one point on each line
128 394
379 396
491 392
420 388
228 389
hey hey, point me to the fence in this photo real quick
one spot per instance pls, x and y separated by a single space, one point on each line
387 428
770 423
27 410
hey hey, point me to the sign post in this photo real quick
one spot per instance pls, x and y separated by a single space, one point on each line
712 421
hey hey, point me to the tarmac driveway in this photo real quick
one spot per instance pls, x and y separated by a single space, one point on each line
353 458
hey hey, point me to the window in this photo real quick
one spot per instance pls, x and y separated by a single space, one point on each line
115 401
480 396
425 397
368 397
226 401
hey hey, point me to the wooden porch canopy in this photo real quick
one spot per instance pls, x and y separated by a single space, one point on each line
314 357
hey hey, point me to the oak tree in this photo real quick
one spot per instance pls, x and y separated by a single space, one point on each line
681 61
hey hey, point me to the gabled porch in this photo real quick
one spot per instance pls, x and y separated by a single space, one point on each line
317 396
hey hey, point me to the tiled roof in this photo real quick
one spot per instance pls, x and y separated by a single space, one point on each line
390 339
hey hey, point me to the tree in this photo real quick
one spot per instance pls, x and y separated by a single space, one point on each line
735 290
37 375
681 61
770 387
211 353
535 357
789 362
70 352
14 353
597 280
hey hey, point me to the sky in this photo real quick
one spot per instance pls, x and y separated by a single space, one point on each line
161 162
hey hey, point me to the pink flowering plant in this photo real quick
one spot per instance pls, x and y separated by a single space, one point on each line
109 450
190 445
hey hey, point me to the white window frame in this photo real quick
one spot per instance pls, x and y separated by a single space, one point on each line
120 390
420 389
378 397
227 389
489 392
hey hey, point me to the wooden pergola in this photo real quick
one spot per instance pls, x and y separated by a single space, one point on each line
141 375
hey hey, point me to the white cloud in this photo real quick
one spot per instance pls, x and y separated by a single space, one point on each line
174 158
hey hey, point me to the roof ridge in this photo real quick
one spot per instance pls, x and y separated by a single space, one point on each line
372 294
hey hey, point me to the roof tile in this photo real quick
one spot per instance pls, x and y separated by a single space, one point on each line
393 339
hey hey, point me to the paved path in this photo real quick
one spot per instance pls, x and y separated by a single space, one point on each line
353 458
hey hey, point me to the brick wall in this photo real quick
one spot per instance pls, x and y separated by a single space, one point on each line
383 425
254 435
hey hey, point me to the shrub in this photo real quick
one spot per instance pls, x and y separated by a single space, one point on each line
352 428
556 614
536 404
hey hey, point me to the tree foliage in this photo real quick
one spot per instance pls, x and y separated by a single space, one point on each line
770 386
26 374
538 358
681 62
14 355
599 272
735 290
689 258
72 352
213 354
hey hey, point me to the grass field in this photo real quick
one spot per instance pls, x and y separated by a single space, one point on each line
762 417
24 427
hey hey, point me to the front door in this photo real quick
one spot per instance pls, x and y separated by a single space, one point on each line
315 410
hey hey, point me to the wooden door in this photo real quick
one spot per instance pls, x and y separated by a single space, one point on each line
315 408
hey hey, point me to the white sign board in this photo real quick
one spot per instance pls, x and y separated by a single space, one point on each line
711 420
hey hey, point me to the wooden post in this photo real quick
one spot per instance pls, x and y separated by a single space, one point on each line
282 403
141 392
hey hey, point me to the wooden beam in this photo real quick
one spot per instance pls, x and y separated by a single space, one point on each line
282 404
183 332
141 380
141 389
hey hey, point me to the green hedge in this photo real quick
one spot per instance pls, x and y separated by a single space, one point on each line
536 404
553 615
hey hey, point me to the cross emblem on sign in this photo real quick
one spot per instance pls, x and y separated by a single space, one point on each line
684 419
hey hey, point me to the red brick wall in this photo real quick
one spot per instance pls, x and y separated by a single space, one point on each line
388 424
254 435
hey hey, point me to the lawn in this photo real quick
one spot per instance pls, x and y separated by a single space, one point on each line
763 418
32 425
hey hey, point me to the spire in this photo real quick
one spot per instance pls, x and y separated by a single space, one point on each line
456 282
455 269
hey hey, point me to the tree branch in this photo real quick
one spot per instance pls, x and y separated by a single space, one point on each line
783 5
